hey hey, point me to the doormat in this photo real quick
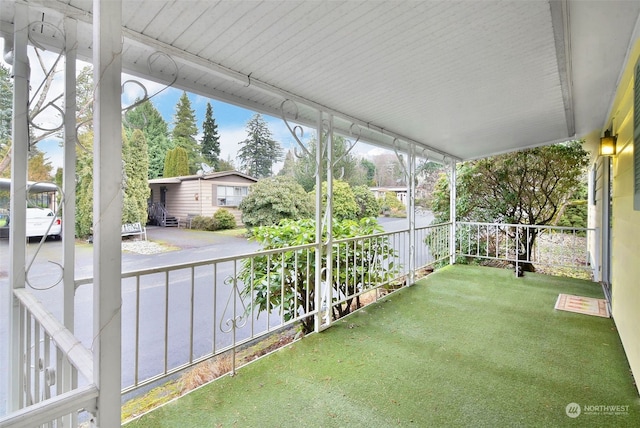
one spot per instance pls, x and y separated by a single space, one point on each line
582 305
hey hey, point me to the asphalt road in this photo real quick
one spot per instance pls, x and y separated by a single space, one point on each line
157 317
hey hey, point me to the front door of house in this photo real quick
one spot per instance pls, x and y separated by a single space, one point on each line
163 196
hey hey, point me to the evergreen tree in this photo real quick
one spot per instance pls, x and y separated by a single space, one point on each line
156 132
39 167
6 104
259 151
185 130
137 190
6 110
169 164
226 165
182 162
289 166
176 163
84 186
210 144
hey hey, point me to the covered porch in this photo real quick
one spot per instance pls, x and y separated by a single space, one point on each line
440 81
465 346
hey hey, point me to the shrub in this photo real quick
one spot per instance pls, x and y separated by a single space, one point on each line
203 223
273 199
391 204
344 201
363 264
368 204
223 219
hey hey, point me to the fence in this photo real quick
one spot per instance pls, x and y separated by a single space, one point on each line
550 249
50 358
174 317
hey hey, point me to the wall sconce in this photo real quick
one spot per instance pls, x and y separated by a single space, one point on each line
608 144
196 196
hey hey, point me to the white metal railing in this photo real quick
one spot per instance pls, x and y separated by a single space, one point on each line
176 316
51 359
387 263
542 246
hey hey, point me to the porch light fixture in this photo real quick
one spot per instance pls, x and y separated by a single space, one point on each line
608 144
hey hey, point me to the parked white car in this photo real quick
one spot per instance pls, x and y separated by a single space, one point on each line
38 221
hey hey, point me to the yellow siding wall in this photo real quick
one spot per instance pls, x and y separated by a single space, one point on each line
625 239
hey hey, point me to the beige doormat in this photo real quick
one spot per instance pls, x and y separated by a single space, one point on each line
582 305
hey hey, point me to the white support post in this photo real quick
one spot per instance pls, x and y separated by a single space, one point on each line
69 375
18 204
69 171
107 209
452 214
411 208
319 244
329 224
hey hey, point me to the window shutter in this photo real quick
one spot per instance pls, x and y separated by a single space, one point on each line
636 137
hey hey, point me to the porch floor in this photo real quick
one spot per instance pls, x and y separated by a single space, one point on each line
466 346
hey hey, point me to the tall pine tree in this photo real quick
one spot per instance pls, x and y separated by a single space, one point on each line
156 132
210 143
259 151
185 131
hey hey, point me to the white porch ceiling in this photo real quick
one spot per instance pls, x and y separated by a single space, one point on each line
463 78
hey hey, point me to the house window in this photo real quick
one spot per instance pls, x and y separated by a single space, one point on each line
636 138
231 196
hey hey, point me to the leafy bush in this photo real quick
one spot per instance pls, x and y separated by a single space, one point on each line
362 263
223 219
344 201
273 199
391 205
368 204
203 223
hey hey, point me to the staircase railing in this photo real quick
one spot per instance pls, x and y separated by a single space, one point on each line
158 213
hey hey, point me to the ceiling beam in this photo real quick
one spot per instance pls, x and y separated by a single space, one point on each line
561 27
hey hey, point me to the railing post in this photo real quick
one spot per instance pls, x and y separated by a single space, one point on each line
107 210
329 221
319 242
17 244
452 213
69 377
412 214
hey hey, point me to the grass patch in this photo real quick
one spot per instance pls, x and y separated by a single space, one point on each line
239 232
200 375
466 346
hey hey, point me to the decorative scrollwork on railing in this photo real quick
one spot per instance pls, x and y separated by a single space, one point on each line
38 108
155 56
230 323
296 131
352 144
58 280
235 321
400 159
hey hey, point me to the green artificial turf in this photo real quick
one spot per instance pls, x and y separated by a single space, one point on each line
467 346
